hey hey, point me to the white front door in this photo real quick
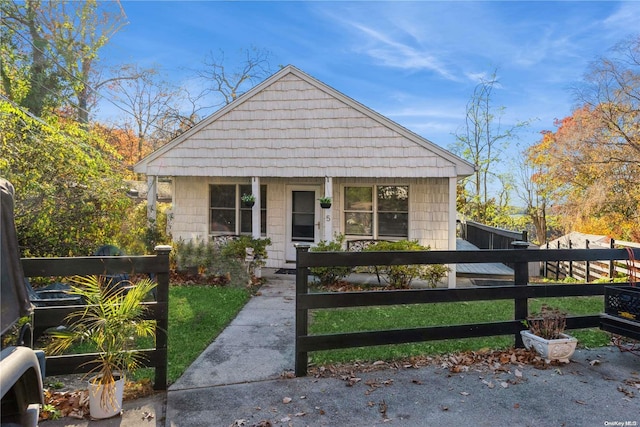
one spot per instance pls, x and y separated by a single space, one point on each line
303 213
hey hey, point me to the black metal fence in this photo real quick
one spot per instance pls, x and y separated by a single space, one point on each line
487 237
519 292
51 316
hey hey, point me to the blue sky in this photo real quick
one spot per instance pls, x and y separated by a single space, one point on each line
414 62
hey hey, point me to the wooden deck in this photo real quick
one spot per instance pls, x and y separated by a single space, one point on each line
483 270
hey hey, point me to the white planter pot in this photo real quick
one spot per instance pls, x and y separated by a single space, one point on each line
559 349
105 401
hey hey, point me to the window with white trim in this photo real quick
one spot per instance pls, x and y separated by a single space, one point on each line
377 212
227 212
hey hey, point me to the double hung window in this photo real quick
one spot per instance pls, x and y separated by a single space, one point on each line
228 215
378 211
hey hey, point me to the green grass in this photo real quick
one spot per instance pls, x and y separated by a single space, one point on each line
424 315
197 315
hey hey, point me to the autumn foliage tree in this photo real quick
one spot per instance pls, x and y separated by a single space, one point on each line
589 177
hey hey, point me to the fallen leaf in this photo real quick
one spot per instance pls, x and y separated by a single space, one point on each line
516 405
300 414
464 393
626 392
581 402
594 362
504 384
286 400
444 408
285 419
416 382
518 373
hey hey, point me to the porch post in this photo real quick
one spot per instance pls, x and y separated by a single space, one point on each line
453 182
152 189
255 210
328 213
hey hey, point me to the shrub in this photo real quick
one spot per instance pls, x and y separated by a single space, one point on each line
208 259
329 275
401 276
237 248
137 235
198 254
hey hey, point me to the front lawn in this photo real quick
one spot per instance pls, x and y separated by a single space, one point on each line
197 315
423 315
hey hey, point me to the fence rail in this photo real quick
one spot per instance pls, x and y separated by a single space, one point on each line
519 292
158 310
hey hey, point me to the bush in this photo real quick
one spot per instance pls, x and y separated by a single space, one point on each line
330 275
207 258
237 249
401 276
137 236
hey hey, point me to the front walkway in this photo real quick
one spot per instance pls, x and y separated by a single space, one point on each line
257 345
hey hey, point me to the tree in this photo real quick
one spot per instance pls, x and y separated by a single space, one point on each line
482 141
226 85
29 75
592 192
78 30
69 197
613 89
50 51
150 102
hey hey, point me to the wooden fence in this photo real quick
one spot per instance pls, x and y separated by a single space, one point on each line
45 317
589 270
519 292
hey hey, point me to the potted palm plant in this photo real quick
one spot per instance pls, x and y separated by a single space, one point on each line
546 335
111 320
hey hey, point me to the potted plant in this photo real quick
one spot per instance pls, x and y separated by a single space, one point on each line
248 200
546 335
111 320
325 202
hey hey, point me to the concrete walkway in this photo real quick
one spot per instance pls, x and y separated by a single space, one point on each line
257 345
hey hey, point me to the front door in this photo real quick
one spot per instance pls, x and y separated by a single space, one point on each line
303 226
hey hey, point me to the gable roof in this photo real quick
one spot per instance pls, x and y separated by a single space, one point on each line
292 125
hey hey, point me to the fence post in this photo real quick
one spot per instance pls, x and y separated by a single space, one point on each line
162 324
520 278
302 314
570 262
558 265
545 264
612 268
586 263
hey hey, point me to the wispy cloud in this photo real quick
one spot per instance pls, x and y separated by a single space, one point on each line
394 53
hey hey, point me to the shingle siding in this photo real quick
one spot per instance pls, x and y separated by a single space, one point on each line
293 129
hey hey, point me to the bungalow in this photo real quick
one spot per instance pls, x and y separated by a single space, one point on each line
290 141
